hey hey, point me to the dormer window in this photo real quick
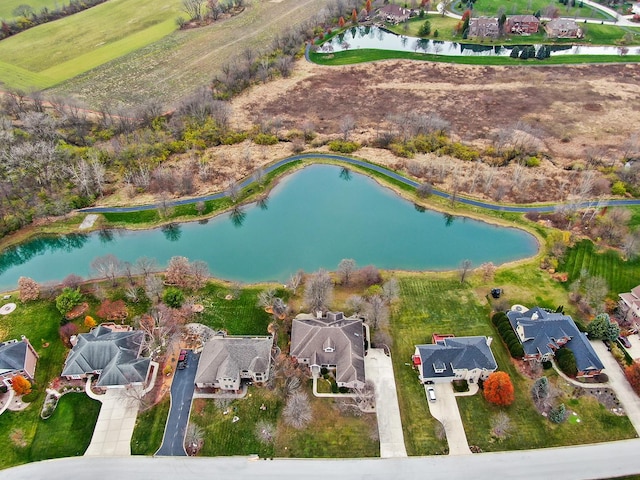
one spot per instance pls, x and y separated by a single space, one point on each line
439 367
329 346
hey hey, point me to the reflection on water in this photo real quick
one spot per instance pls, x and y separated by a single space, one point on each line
380 39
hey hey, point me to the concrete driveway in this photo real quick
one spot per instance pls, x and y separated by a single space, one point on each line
379 370
445 410
619 383
181 395
114 428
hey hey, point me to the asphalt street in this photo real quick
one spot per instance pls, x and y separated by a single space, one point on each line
605 460
181 394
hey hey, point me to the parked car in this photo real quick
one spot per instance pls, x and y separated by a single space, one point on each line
182 359
624 341
431 393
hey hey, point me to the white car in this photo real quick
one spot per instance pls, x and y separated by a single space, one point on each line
431 394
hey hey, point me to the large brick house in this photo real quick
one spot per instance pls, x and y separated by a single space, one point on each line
228 360
563 28
629 305
115 356
451 358
331 341
522 24
17 357
483 27
394 13
542 333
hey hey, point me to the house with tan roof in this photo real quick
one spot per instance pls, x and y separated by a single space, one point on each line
17 357
483 27
228 360
563 28
331 341
115 357
394 13
451 358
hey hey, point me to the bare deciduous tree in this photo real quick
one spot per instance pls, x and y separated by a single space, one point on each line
347 124
193 8
355 304
193 439
376 312
297 412
153 288
346 267
107 266
179 272
391 290
146 266
318 292
265 431
199 274
295 280
465 266
500 425
488 271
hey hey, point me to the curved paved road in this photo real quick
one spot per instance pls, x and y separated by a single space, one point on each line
606 460
181 394
370 166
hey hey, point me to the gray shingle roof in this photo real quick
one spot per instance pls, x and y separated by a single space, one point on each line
12 356
228 356
331 340
439 360
116 354
545 332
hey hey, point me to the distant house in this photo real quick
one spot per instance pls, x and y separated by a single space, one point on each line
115 356
522 24
563 28
629 305
332 341
394 13
451 358
226 361
541 333
17 357
483 27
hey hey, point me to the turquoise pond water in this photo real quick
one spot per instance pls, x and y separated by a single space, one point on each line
313 218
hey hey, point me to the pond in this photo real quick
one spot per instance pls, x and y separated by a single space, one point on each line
313 218
379 39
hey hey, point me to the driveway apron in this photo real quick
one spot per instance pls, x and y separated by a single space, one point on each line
115 424
445 410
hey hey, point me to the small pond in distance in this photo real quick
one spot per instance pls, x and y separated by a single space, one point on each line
313 218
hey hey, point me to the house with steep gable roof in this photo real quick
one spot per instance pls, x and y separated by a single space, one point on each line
522 24
629 304
483 27
394 13
17 357
228 360
114 356
563 28
331 341
451 358
541 333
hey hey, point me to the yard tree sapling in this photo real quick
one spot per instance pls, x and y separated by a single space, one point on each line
295 280
21 385
465 266
501 425
297 412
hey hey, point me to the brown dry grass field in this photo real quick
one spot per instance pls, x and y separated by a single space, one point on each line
187 59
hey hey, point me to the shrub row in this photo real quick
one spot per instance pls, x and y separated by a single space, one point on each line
509 337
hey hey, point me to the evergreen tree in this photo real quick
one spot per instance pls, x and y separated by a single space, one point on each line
515 52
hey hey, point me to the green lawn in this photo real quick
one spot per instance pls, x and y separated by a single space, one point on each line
68 431
621 275
85 40
520 7
437 304
149 430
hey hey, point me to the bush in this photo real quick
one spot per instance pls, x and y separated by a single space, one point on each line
31 396
232 138
402 150
533 162
498 317
173 297
547 365
343 146
566 361
265 139
68 299
618 188
558 414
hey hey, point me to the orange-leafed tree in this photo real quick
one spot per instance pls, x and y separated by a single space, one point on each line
354 16
89 322
498 389
21 385
367 6
341 22
633 375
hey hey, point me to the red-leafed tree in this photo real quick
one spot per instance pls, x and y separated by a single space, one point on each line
633 375
67 331
21 385
341 22
498 389
367 6
354 16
